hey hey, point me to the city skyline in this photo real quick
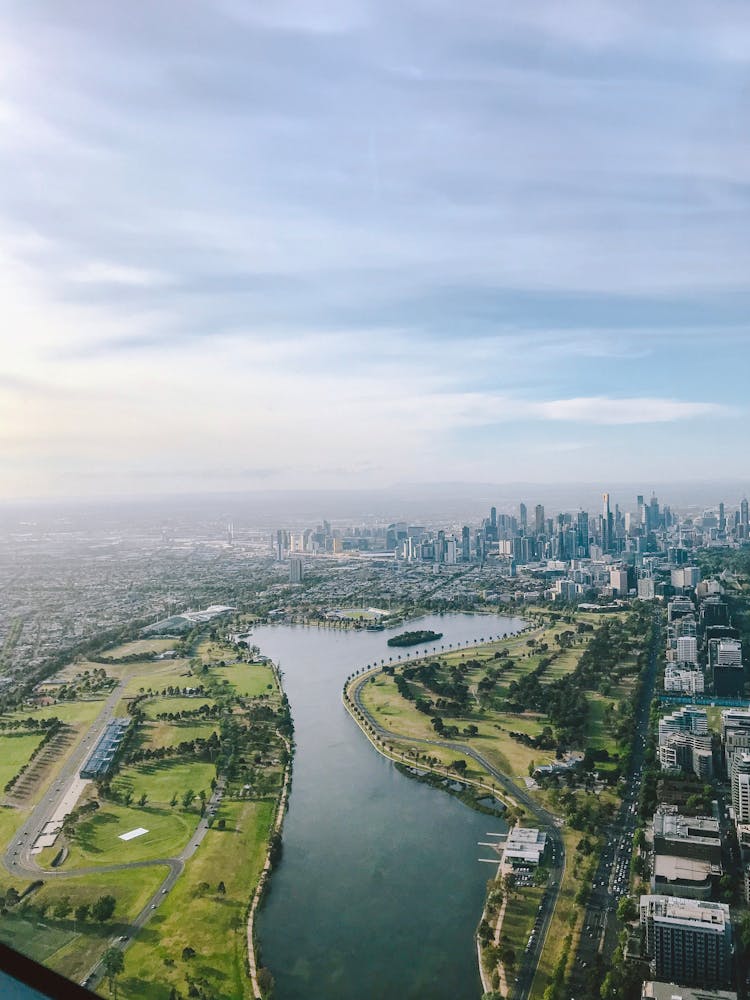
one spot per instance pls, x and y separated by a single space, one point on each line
341 246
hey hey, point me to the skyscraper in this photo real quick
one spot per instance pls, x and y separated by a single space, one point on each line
465 543
607 524
523 517
582 527
539 519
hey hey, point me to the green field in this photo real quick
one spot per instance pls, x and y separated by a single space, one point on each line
161 780
15 751
156 675
71 947
96 841
211 923
72 713
248 679
167 734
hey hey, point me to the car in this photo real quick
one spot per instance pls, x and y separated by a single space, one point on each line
164 892
153 906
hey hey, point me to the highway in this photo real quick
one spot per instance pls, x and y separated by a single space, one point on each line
612 876
521 987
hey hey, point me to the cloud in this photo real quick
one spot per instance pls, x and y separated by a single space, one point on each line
388 230
606 410
103 273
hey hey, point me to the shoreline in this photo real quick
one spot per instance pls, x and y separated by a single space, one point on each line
265 875
376 742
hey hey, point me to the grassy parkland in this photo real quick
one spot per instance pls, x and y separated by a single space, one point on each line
204 712
565 689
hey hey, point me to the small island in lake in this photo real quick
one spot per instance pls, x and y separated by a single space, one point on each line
414 638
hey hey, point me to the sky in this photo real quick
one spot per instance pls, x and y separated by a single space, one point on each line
347 244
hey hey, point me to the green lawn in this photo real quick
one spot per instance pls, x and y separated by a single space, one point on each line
207 921
248 679
73 713
156 674
71 947
519 918
161 780
97 840
166 734
15 750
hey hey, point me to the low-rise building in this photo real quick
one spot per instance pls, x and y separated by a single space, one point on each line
652 990
524 847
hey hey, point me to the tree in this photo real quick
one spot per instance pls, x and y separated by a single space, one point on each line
11 897
114 964
127 797
173 800
62 907
203 888
187 798
627 910
221 888
82 912
103 908
188 953
143 800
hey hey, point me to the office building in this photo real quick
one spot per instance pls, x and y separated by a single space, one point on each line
696 837
683 680
725 663
687 649
295 570
539 519
740 780
683 751
688 941
689 719
618 582
735 734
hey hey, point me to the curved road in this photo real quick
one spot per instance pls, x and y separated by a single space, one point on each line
551 824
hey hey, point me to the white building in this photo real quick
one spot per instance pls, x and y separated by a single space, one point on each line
683 681
740 776
524 846
687 649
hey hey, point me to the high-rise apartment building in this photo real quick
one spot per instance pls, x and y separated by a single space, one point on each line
740 777
689 941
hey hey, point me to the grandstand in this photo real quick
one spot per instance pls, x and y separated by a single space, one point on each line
103 755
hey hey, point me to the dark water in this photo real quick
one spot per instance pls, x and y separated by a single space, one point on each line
379 890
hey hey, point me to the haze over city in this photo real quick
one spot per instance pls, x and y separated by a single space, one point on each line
347 245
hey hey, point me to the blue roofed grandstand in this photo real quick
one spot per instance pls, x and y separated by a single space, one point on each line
103 755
